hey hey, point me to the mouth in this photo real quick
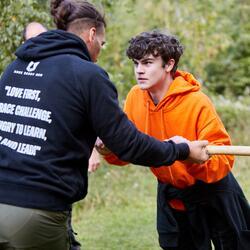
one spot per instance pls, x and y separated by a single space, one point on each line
142 80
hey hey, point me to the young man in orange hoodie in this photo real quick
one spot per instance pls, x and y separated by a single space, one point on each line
196 204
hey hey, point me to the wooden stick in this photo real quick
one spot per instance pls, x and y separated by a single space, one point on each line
228 150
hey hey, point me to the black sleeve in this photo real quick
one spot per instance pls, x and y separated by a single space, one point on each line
120 135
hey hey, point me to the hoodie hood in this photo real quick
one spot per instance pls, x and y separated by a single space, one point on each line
52 43
183 84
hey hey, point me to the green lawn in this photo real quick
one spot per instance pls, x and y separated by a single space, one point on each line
119 211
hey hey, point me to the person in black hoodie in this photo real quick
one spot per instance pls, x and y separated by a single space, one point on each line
54 102
34 29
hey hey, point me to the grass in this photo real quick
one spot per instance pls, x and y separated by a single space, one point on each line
119 211
241 171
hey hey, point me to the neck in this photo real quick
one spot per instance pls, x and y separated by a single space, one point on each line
158 93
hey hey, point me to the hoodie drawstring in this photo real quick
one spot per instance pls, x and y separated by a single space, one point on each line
147 126
163 136
163 129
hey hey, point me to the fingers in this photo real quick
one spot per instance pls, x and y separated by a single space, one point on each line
203 143
93 167
94 161
198 153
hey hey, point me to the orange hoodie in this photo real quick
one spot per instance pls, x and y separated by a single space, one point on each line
187 112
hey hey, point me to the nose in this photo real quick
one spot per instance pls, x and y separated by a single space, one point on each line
139 69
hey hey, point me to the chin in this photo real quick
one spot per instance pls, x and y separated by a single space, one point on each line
143 86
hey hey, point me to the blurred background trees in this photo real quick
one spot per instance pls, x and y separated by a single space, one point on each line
216 36
13 18
119 211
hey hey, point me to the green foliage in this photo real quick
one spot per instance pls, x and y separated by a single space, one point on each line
202 26
119 211
217 47
229 72
235 116
15 15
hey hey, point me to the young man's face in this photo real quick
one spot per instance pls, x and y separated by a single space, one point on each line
150 72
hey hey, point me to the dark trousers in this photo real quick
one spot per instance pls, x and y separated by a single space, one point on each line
220 233
216 212
74 244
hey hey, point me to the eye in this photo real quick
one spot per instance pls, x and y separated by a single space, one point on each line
135 63
148 62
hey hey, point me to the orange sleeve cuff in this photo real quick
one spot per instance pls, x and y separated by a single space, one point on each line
113 159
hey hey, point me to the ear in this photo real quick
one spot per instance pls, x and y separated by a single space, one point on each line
170 65
88 36
92 34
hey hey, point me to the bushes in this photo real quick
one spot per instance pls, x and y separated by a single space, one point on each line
217 47
15 15
235 114
229 73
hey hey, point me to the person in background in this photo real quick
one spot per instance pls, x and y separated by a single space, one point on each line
54 102
196 203
33 29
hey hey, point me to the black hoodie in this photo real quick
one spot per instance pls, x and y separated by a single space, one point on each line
54 102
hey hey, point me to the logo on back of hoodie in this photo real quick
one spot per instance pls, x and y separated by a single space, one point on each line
32 66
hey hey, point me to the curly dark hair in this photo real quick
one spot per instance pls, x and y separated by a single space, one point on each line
155 43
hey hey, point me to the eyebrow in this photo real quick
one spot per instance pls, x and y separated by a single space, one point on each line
147 59
143 60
